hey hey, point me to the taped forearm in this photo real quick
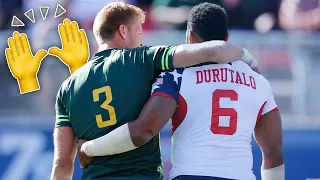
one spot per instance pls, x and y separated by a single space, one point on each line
116 142
276 173
249 59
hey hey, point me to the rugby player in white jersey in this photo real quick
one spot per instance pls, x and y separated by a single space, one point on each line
215 109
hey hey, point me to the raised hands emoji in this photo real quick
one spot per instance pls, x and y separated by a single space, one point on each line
75 48
23 65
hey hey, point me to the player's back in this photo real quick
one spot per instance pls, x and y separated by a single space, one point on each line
107 92
212 128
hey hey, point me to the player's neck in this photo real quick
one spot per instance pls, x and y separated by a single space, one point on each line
110 45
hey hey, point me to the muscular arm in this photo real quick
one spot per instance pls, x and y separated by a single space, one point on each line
154 116
214 51
152 60
268 134
64 153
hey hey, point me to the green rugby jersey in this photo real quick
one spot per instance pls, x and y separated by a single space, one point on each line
107 92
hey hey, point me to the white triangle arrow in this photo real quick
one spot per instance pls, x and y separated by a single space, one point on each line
59 11
16 22
44 11
30 15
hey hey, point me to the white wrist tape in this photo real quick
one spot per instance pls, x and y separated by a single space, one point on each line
249 59
276 173
115 142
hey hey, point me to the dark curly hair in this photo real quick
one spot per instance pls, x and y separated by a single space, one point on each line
208 21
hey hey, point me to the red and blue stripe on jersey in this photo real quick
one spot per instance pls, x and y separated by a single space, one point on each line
168 84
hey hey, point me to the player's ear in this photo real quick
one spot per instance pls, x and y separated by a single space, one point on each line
192 38
227 36
123 31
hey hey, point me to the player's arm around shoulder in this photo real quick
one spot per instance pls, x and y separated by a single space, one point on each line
268 134
212 51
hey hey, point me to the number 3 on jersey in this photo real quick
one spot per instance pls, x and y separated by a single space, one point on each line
105 105
217 111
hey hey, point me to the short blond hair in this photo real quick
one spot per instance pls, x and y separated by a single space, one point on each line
112 16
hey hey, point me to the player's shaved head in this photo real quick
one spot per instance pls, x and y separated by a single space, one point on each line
109 19
208 21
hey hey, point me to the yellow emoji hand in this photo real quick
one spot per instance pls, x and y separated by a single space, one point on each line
23 65
75 48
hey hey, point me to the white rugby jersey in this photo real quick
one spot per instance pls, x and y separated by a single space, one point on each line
218 107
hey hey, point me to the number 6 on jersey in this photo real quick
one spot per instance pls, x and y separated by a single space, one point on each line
105 105
217 111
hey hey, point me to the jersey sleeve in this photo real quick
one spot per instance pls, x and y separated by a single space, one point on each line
168 84
270 105
62 118
153 60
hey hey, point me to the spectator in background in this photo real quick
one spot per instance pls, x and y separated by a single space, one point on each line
42 35
300 15
252 14
303 15
242 13
261 15
84 11
145 5
42 28
236 13
8 9
174 13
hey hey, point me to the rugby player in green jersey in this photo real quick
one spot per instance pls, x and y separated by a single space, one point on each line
111 90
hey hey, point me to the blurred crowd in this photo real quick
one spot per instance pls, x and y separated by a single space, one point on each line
261 15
